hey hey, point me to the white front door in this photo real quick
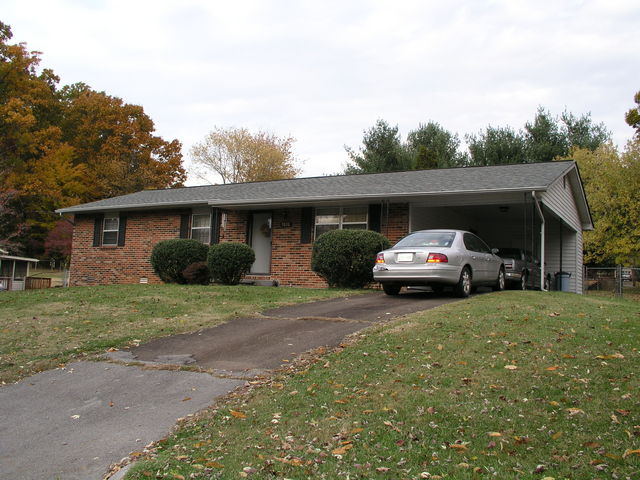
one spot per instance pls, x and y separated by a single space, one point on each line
261 242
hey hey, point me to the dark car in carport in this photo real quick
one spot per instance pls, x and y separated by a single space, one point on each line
522 269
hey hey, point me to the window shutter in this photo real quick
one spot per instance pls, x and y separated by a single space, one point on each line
184 225
122 230
306 225
215 226
375 212
97 230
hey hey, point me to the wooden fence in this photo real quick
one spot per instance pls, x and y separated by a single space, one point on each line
33 283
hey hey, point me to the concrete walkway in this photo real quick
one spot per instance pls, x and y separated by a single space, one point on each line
73 423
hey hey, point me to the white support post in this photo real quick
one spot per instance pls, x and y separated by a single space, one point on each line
539 210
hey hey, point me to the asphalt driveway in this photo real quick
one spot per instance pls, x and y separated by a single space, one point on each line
74 422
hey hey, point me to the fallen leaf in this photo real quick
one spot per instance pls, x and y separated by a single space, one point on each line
237 414
511 367
458 446
614 419
575 411
556 435
629 452
610 357
554 314
342 450
552 369
591 444
214 465
186 399
554 403
495 434
624 413
382 469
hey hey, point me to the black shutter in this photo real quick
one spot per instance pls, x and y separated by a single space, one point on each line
122 230
184 225
215 226
248 233
375 212
97 230
306 225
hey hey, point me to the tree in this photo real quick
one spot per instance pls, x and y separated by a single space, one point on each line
612 182
544 138
12 224
237 155
632 117
116 141
382 151
581 132
57 245
434 147
496 146
60 147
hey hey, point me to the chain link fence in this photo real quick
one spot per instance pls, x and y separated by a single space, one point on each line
619 281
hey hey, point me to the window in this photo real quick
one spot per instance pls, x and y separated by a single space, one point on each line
110 228
201 227
336 218
474 244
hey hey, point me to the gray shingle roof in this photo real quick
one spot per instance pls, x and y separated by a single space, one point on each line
535 176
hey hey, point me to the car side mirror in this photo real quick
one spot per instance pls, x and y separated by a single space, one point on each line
494 251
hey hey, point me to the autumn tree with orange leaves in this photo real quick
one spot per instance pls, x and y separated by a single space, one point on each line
64 146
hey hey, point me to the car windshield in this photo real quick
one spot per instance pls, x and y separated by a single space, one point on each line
427 239
509 252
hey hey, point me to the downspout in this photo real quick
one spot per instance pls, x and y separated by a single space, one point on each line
542 259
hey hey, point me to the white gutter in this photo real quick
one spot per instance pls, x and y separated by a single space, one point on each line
542 259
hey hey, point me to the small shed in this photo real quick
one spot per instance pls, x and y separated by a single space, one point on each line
14 271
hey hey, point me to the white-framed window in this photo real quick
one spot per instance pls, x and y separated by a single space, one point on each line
201 227
335 218
110 226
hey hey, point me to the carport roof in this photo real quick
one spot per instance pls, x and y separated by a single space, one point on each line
371 187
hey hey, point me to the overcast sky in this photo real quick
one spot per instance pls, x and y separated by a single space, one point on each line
324 71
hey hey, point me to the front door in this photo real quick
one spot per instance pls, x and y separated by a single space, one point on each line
261 242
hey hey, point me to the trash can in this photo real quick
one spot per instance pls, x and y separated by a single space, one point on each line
562 281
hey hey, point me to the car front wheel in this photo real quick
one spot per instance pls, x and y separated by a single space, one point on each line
463 287
523 281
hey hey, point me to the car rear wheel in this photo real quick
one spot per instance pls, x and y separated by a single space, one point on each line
500 282
463 287
391 288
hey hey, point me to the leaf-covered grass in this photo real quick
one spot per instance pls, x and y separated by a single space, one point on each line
515 385
40 329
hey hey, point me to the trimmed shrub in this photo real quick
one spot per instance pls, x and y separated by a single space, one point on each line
345 258
197 274
229 262
169 258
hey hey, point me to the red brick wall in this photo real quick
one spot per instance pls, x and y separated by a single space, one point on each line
127 264
395 221
290 260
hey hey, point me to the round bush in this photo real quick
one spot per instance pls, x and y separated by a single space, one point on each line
345 258
197 274
169 258
229 261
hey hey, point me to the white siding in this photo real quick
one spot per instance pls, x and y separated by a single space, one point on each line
559 198
571 253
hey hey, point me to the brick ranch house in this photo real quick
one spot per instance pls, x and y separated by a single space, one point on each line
540 207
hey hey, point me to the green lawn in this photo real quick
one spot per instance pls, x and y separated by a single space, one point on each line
512 385
40 329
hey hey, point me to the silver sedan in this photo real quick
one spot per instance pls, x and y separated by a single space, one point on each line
439 258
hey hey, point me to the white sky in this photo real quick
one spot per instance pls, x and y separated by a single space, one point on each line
324 71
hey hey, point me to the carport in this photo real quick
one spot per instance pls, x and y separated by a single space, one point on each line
547 220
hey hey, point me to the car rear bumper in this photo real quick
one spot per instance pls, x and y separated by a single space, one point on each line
410 275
